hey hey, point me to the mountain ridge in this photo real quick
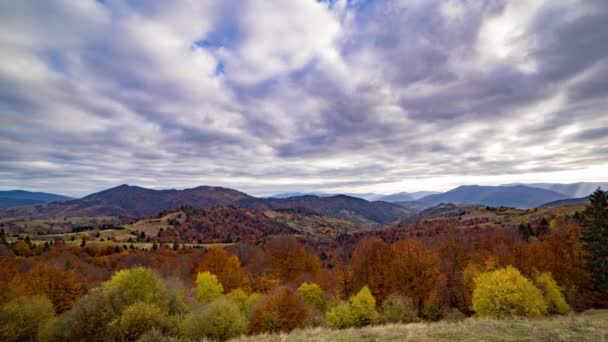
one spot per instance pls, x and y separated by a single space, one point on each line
15 198
517 196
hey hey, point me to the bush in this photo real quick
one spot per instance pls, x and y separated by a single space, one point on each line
137 284
312 295
398 309
340 316
554 298
89 317
453 315
364 307
359 311
221 319
245 301
507 293
51 331
21 318
208 287
281 310
140 318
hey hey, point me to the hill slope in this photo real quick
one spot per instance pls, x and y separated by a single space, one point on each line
126 200
518 196
15 198
567 201
134 201
353 209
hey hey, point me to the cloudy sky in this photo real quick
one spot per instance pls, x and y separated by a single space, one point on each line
303 95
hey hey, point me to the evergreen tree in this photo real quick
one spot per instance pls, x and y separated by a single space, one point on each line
525 231
595 236
543 228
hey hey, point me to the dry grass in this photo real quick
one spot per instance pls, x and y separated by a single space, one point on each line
590 326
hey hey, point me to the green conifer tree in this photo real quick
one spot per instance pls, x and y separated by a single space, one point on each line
595 236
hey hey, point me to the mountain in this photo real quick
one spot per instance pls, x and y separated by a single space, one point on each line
518 196
134 201
15 198
296 194
406 196
573 190
126 200
353 209
370 196
567 201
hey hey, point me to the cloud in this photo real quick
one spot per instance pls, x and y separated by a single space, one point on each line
304 95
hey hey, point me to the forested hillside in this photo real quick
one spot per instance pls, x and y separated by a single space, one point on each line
276 271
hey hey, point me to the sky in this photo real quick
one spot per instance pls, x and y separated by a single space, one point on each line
302 95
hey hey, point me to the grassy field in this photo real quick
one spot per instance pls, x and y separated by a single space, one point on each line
589 326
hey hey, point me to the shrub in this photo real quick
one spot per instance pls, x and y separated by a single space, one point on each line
281 310
340 316
312 295
137 284
398 309
453 315
140 318
507 293
89 317
208 287
221 319
556 302
359 311
364 307
245 301
21 318
51 331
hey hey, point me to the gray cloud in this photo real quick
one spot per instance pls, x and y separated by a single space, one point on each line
300 96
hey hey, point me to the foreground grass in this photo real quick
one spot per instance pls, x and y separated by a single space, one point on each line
589 326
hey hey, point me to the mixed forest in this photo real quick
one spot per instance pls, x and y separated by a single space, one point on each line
217 273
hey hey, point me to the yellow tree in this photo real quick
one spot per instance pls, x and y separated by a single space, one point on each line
505 293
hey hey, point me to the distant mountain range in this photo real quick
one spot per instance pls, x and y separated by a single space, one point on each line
572 190
370 196
517 196
134 201
406 196
15 198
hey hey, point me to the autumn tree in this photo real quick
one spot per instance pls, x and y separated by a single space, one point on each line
21 318
140 318
505 293
556 303
453 259
207 287
359 310
226 267
562 254
280 310
61 287
370 263
289 259
220 320
312 295
415 272
595 236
